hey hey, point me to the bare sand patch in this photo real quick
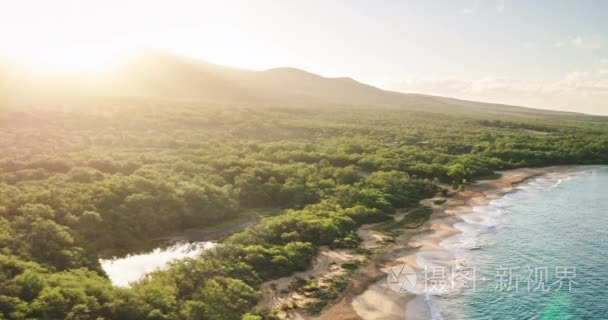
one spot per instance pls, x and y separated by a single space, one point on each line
368 296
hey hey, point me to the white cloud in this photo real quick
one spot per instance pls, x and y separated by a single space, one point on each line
559 44
500 6
474 7
583 91
576 82
582 42
578 41
472 10
603 72
469 11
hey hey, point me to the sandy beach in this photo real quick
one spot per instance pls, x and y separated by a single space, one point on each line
369 296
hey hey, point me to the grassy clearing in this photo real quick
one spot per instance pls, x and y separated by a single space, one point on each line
412 220
325 293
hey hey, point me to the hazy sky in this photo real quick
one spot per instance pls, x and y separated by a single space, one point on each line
549 54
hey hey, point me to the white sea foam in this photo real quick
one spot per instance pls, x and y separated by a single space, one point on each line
481 220
434 309
485 218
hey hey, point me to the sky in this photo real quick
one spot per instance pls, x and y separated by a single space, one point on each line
549 54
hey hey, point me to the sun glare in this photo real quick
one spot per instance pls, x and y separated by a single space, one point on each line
72 60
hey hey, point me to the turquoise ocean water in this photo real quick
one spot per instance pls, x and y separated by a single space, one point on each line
540 252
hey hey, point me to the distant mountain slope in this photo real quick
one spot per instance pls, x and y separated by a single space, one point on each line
155 75
167 76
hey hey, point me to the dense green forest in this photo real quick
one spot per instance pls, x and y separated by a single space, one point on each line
79 183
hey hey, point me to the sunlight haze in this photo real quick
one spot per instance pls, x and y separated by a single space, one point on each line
303 159
535 54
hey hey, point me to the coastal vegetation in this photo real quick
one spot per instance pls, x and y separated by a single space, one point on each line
80 183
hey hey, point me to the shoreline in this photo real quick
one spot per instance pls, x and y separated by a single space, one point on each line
370 298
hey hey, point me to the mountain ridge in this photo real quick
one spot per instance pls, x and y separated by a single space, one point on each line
159 75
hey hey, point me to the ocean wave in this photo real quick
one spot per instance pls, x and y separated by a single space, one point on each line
433 308
474 225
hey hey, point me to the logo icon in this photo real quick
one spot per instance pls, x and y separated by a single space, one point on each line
401 278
